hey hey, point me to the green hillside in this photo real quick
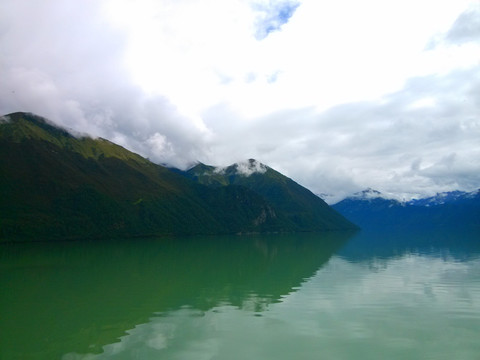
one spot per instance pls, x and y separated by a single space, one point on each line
303 210
54 185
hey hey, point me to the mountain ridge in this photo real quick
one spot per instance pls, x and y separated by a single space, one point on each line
439 198
370 208
54 185
301 207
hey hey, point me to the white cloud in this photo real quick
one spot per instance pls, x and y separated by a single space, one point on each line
246 168
338 95
467 27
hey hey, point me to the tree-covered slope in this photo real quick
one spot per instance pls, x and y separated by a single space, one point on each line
54 185
302 210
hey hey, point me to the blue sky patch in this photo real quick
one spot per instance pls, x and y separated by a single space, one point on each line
272 16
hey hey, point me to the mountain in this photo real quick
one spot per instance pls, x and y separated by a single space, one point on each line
451 197
371 209
299 208
54 185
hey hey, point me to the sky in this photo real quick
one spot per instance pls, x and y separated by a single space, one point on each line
338 95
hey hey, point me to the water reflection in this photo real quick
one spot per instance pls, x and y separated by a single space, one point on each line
459 243
378 295
74 298
405 303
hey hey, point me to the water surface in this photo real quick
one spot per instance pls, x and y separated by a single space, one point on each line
302 296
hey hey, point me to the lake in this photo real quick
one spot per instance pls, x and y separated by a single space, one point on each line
363 295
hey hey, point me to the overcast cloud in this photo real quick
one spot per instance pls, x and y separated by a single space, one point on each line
339 96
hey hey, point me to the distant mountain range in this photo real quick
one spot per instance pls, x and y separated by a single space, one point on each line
371 209
54 185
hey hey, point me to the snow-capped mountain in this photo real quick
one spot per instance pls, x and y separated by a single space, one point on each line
445 198
367 194
442 198
370 208
370 194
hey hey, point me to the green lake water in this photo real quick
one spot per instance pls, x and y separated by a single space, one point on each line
361 295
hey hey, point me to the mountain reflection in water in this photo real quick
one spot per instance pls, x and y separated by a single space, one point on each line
74 298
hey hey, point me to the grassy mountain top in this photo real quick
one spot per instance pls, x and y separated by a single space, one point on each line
21 126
